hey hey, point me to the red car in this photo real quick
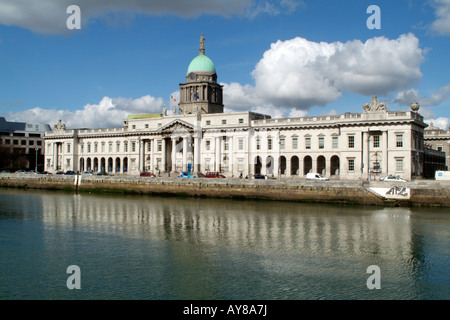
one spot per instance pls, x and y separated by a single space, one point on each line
214 175
147 174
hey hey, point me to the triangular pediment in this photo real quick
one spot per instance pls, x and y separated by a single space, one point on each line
177 126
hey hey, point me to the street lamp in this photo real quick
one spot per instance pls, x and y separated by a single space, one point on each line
36 149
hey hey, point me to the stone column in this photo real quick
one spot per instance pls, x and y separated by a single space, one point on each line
365 156
197 152
185 152
385 144
164 156
141 155
174 154
328 167
55 156
152 155
230 154
217 160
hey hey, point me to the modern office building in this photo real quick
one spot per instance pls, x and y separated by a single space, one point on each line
21 145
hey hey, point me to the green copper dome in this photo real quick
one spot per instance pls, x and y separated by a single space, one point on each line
201 63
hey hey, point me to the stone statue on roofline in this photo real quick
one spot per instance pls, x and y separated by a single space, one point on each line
60 126
374 105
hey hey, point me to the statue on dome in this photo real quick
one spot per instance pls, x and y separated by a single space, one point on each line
202 44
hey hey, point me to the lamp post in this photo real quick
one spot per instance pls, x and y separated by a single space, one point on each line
35 168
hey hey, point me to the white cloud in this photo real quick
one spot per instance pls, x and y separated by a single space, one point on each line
412 95
441 122
442 23
108 113
49 16
299 73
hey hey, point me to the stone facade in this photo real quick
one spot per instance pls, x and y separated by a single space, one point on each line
202 138
439 140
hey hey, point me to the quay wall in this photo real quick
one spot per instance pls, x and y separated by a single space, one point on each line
422 192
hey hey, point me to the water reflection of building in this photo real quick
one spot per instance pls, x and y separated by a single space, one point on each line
245 225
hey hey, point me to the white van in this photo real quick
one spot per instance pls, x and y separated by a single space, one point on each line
442 175
316 176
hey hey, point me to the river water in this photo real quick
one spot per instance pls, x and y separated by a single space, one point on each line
143 247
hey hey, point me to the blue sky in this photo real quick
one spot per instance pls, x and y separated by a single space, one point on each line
283 58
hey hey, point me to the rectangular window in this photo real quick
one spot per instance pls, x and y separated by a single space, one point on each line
125 146
149 149
208 145
81 148
23 142
240 165
158 163
110 147
103 147
335 142
39 143
133 126
241 144
30 142
146 126
133 147
399 140
208 122
351 165
89 148
308 143
159 146
117 146
321 142
351 142
96 147
207 161
269 144
225 145
224 121
241 120
376 141
258 144
294 143
399 165
282 143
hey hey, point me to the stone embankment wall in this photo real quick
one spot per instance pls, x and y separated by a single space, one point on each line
423 192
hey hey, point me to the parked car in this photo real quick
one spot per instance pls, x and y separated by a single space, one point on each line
392 178
59 172
147 174
214 174
316 176
102 173
70 173
185 174
259 176
4 171
87 173
21 171
45 172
